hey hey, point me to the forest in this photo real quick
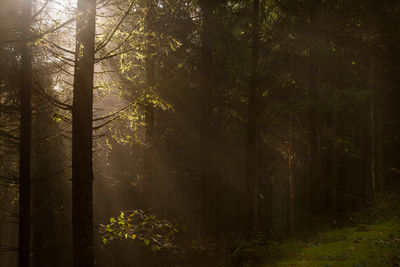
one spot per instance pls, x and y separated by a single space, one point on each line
190 133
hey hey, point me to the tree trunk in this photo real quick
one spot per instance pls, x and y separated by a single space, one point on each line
207 89
217 156
25 140
167 182
334 167
375 116
48 242
291 183
313 117
365 153
326 160
147 192
251 162
82 113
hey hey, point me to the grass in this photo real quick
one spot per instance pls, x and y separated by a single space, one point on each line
376 244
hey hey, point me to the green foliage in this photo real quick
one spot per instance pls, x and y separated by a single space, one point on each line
362 245
384 206
140 227
155 235
373 240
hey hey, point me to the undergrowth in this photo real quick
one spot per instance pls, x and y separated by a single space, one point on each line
372 238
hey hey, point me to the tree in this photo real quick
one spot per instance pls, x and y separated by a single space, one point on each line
50 246
375 99
82 113
149 112
10 85
25 138
252 113
207 89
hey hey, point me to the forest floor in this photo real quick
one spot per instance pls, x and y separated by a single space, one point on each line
373 244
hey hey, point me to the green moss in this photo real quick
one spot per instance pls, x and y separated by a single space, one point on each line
362 245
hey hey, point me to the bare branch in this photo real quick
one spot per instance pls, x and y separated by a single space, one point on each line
106 41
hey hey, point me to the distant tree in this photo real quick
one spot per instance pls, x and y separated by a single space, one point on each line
207 88
10 85
252 131
49 214
149 110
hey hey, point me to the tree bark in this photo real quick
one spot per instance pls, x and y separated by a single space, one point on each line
25 140
313 116
334 168
48 242
147 192
217 156
375 117
291 183
251 162
207 89
82 113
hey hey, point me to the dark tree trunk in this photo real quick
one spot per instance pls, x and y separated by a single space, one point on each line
313 116
326 160
49 244
291 183
365 156
375 116
207 89
251 162
217 157
82 113
147 192
25 140
334 166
